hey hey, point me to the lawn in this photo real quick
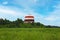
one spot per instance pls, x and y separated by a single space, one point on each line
29 33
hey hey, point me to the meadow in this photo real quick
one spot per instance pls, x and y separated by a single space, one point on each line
29 33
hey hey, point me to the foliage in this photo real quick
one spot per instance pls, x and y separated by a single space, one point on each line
19 23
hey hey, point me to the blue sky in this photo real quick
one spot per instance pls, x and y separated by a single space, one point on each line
45 11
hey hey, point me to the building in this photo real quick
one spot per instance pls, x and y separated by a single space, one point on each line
29 19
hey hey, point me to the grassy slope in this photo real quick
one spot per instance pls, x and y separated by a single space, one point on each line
29 34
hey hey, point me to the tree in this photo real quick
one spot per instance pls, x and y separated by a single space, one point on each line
7 21
38 23
1 21
18 22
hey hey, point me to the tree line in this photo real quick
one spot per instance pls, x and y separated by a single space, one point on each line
19 23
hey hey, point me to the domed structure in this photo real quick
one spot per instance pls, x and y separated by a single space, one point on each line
29 19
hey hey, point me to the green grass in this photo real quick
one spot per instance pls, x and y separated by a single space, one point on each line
29 33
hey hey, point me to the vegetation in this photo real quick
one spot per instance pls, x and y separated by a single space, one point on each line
18 30
29 34
19 23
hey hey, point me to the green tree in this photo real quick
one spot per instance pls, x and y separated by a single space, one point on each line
18 22
1 21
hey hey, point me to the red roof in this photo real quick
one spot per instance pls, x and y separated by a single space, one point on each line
29 16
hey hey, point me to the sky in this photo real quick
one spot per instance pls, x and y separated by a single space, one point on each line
46 12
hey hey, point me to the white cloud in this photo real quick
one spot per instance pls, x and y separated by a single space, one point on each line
7 11
51 18
54 17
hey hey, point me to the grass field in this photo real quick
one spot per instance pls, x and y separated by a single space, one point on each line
29 33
